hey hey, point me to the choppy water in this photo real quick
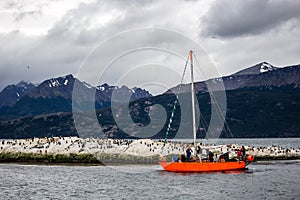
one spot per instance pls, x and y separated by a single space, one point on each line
267 180
264 181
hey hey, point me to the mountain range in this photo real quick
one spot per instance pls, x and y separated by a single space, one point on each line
262 101
55 95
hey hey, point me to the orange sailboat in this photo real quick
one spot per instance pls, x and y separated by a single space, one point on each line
203 166
199 166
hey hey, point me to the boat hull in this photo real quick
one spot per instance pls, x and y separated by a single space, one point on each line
202 167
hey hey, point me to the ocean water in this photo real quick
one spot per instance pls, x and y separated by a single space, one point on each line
264 180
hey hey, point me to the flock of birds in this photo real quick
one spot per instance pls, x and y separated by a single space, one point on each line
142 147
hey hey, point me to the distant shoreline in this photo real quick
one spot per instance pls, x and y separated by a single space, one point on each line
77 159
74 150
91 160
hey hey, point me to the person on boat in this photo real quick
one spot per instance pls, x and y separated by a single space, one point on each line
199 153
198 149
182 158
175 158
216 158
188 153
243 153
210 156
239 154
222 158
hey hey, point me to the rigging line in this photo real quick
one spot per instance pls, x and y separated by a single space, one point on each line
222 116
202 120
201 115
176 101
220 113
205 124
229 130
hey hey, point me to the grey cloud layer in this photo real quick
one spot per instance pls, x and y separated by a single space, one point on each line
233 18
63 48
20 12
68 42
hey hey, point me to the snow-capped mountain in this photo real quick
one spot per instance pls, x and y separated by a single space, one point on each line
266 67
55 95
259 93
13 93
54 87
259 75
257 69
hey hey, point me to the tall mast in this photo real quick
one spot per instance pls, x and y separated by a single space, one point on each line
193 97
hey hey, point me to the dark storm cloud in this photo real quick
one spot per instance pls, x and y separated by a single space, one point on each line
61 47
232 18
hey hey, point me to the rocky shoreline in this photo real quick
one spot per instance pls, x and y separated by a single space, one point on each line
74 150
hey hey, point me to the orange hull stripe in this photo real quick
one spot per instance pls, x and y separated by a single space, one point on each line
202 167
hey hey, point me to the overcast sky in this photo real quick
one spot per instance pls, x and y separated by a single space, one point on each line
49 38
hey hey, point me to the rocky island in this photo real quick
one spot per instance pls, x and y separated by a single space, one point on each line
118 151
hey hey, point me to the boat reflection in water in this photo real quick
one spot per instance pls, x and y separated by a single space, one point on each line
246 171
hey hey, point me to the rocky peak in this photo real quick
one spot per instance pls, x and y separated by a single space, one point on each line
265 67
54 87
257 69
13 93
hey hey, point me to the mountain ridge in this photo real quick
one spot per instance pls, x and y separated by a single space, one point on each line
55 95
261 94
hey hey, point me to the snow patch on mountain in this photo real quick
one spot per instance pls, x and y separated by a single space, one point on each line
60 81
87 85
101 88
53 83
66 82
265 67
